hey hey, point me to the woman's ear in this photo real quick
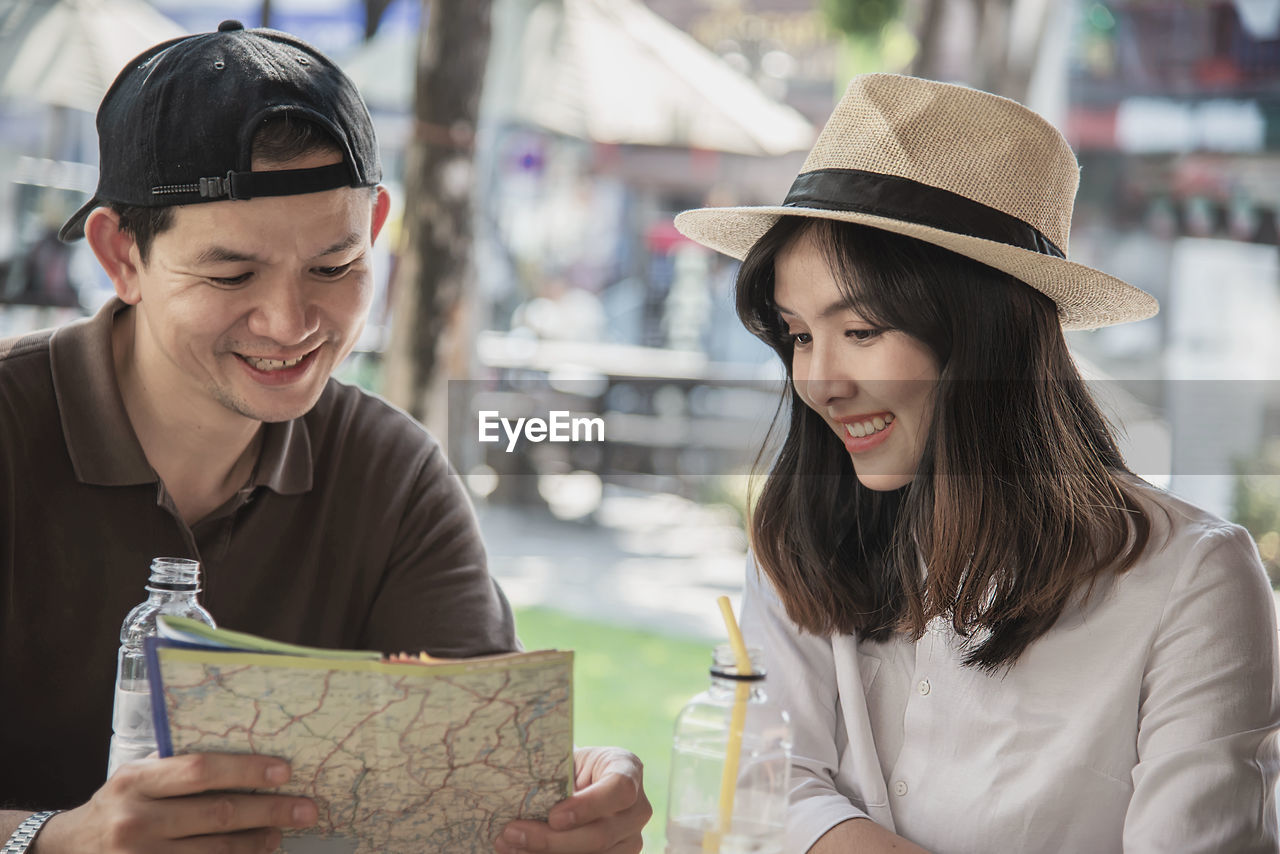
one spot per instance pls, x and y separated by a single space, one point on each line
117 252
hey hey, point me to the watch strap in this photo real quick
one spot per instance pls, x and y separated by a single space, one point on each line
22 838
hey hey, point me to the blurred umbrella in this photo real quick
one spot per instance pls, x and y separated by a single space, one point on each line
65 53
621 73
383 68
610 71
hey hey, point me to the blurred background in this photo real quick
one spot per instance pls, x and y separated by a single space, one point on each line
537 151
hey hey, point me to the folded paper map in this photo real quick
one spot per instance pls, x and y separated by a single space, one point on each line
399 756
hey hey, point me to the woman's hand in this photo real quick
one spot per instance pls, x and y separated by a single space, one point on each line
605 814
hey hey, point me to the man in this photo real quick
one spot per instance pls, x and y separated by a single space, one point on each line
195 416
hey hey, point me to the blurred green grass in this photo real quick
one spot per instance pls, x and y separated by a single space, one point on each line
629 685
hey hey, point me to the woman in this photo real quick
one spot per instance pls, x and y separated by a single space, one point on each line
990 635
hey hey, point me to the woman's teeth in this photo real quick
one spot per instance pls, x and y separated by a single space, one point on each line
858 429
273 364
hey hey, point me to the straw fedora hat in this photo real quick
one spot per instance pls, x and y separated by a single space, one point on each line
972 172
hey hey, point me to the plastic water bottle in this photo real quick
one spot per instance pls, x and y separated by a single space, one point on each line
698 757
171 589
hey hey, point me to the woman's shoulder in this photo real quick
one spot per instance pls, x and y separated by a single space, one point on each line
1175 516
1187 539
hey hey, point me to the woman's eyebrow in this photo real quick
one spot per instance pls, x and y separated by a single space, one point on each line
831 310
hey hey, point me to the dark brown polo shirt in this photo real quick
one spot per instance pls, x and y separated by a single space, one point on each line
352 532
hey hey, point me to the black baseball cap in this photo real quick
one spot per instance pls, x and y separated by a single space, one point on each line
176 127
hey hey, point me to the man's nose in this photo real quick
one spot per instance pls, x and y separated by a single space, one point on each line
283 312
828 378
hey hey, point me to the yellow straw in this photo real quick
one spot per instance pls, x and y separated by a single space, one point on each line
729 778
735 637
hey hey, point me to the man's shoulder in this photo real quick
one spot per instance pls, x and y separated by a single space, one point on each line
17 350
26 371
34 351
362 421
29 416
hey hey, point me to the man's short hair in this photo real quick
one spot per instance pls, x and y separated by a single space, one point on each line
280 139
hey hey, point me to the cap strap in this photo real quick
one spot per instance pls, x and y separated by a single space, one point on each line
903 199
282 182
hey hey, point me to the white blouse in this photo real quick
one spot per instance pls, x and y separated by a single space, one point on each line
1144 720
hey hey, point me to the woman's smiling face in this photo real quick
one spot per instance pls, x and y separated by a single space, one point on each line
874 387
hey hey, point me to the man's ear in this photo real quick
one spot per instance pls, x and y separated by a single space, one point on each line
117 252
381 207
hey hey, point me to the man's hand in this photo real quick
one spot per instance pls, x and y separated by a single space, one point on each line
605 814
178 805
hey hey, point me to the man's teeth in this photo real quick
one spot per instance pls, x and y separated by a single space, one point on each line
272 364
858 429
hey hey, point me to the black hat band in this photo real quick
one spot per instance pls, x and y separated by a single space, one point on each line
247 185
903 199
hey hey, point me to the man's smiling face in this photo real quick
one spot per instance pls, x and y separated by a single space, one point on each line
251 305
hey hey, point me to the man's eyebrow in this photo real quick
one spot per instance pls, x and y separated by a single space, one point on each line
352 239
831 310
223 255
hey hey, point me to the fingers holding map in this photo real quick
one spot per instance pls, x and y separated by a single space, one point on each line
398 755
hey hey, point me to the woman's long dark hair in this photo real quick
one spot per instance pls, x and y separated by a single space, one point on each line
1018 503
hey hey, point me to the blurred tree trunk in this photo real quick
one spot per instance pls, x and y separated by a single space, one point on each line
1000 58
429 341
928 37
1020 61
266 13
991 48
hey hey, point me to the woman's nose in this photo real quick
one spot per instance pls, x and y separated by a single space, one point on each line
828 378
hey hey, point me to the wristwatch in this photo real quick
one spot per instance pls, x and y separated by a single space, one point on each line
26 832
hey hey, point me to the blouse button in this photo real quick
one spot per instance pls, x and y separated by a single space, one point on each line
923 687
900 788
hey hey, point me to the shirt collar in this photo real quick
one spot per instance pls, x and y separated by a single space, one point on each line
103 447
